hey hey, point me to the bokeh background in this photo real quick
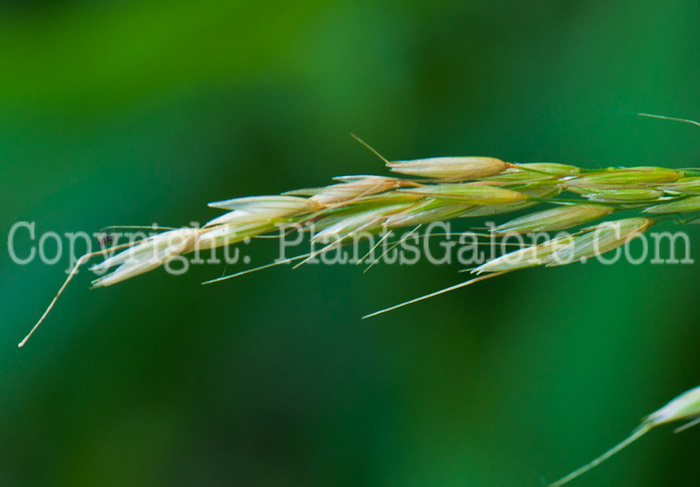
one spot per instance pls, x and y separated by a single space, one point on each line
138 112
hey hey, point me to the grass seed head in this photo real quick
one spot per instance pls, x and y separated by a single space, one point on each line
365 203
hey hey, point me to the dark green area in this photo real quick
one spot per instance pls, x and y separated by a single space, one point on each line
141 112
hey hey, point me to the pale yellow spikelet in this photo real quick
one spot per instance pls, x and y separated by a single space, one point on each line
450 168
531 256
146 256
352 188
364 221
259 208
427 211
569 249
228 234
600 239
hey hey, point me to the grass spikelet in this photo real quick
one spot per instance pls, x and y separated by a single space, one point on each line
450 168
363 221
352 188
535 171
625 178
628 196
684 205
601 239
535 194
261 208
472 193
532 256
427 211
215 236
148 255
684 407
689 185
561 218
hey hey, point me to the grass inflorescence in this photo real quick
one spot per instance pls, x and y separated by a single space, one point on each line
625 202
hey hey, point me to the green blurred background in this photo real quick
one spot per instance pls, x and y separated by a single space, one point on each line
139 112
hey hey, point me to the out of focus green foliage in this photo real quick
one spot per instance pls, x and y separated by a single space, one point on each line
139 112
